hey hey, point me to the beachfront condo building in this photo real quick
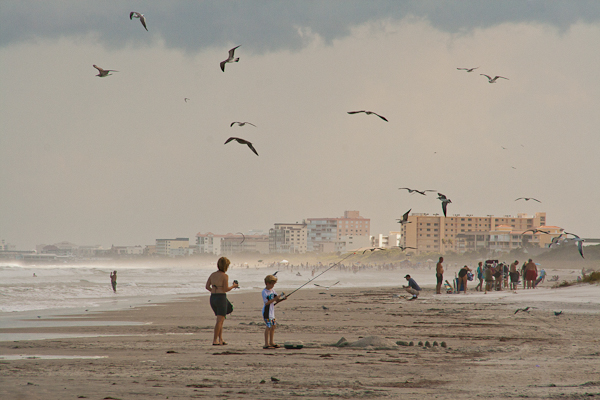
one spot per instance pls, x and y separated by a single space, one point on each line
228 244
439 234
327 234
173 247
288 238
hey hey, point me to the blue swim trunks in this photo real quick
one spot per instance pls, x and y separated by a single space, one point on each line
270 322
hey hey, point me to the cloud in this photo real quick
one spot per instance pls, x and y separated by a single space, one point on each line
264 26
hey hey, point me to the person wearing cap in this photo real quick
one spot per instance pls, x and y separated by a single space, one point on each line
412 287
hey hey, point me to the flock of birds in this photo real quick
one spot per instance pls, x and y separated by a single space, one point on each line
404 220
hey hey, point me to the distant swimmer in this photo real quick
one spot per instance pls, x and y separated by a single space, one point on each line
468 69
368 113
113 280
527 199
494 79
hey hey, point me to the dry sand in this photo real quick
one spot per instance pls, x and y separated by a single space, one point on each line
491 351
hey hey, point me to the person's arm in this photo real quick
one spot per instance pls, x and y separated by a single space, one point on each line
209 285
226 286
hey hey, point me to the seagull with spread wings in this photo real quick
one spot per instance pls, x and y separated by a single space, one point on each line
368 113
416 191
241 124
373 249
527 199
579 242
468 69
242 141
230 59
103 72
445 202
494 79
404 219
134 14
534 231
406 247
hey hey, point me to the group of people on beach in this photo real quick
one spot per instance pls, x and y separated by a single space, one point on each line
218 286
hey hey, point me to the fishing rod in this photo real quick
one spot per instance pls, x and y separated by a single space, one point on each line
337 263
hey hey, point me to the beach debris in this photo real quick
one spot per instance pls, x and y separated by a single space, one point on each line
557 313
171 352
326 355
294 344
342 342
443 344
402 343
273 379
325 308
526 309
263 381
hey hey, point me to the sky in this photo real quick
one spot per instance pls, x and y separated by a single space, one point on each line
124 160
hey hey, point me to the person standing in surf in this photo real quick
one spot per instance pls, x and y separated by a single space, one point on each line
113 280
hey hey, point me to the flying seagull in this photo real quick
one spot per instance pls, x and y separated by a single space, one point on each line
242 141
445 202
406 247
242 124
579 242
134 14
373 249
493 80
526 309
368 113
556 240
326 287
404 219
535 230
103 72
468 69
417 191
243 237
185 99
527 199
230 59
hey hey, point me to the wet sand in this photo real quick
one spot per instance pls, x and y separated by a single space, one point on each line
491 351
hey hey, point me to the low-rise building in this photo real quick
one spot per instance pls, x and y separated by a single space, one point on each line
172 247
288 238
325 234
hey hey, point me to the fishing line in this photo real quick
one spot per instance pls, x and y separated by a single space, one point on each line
337 263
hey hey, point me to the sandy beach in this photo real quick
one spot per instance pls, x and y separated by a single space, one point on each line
490 352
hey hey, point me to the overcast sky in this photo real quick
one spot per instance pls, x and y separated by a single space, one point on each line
124 159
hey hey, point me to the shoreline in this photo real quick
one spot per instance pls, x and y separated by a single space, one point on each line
169 353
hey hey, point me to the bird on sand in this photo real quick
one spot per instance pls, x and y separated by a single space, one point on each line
325 308
526 309
230 59
373 249
368 113
468 69
242 141
404 219
134 14
326 287
241 124
445 202
493 80
579 242
103 72
557 313
417 191
527 199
